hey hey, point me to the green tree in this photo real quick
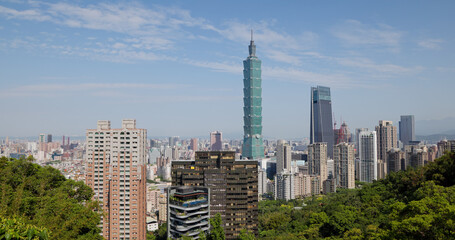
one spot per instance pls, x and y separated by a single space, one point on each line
245 235
161 233
216 230
16 229
202 235
150 236
42 197
418 203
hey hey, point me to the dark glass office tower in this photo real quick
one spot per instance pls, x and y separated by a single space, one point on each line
321 128
407 129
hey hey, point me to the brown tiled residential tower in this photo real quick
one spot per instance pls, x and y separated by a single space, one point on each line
233 187
116 171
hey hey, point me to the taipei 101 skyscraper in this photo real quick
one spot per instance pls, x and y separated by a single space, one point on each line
253 147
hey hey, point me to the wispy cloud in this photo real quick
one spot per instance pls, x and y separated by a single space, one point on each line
364 64
216 66
151 33
30 14
277 45
153 28
354 32
431 43
296 75
90 88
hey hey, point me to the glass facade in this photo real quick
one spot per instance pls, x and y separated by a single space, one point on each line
407 129
321 128
253 147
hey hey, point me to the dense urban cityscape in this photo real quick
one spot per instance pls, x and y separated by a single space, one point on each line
343 181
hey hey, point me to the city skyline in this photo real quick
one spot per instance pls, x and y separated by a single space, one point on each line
66 65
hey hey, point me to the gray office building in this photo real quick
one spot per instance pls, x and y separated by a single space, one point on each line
321 128
407 129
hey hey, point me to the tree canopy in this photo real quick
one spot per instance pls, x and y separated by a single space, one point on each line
42 198
413 204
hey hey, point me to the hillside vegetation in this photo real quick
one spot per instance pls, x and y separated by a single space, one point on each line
38 202
412 204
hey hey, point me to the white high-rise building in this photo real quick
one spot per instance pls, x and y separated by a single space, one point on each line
368 156
317 161
116 171
284 178
283 157
262 182
343 155
302 185
284 186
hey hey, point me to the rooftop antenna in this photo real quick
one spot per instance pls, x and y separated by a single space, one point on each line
252 47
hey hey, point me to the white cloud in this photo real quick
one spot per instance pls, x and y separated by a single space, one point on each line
217 66
431 43
368 65
49 89
149 34
278 46
31 14
156 28
282 56
301 76
354 32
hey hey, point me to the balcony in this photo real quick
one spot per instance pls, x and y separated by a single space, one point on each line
192 219
186 215
187 205
193 233
185 227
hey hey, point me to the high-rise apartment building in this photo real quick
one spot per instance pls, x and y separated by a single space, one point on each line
387 138
343 156
233 187
283 157
284 186
329 186
395 160
253 146
194 144
357 139
317 161
445 146
368 156
321 128
316 184
262 182
188 212
162 207
116 171
302 185
407 129
216 141
173 141
49 138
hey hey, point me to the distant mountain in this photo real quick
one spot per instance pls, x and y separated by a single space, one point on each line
434 138
445 126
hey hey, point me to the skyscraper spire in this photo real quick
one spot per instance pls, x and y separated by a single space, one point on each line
252 47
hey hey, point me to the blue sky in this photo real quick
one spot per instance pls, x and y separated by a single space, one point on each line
176 66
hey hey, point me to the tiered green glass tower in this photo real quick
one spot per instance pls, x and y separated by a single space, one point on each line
253 147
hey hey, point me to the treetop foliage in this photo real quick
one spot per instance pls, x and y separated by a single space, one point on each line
413 204
43 198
